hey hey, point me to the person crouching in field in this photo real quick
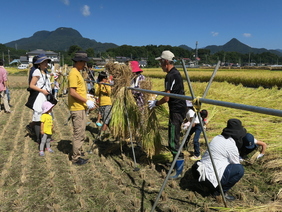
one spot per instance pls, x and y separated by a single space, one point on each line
250 144
46 128
225 155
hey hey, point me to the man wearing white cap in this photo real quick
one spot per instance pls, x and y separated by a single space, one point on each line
177 107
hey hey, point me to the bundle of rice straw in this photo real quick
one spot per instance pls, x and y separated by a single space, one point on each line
122 100
144 124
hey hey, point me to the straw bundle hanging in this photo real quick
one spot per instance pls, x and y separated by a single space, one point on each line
122 100
143 123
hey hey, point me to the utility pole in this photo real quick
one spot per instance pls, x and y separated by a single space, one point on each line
8 56
196 53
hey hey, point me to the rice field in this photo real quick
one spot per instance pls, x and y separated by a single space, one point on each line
246 77
109 183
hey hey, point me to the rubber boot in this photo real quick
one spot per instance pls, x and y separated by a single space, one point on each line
178 168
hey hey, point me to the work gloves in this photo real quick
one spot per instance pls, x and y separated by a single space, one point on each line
152 104
260 156
90 104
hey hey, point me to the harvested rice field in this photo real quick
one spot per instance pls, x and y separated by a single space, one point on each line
112 181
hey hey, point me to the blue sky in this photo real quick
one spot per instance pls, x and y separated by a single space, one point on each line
256 23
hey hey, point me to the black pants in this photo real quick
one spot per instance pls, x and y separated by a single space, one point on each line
174 128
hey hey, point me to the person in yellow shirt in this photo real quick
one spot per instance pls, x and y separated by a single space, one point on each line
78 103
46 127
105 103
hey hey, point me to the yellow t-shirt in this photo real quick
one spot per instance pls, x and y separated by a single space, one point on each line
103 92
75 80
48 123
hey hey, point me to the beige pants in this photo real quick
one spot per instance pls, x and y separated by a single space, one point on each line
5 100
79 123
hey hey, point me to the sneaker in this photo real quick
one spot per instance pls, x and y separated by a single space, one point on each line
41 153
50 150
99 124
196 158
227 197
29 130
80 162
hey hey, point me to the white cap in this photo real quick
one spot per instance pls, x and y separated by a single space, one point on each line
167 55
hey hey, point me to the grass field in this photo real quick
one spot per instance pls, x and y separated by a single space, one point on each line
109 183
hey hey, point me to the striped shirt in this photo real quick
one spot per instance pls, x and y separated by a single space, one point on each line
224 152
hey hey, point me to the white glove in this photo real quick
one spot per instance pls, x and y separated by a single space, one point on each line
90 104
152 104
185 126
260 156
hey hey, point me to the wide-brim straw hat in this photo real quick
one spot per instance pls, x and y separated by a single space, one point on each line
80 56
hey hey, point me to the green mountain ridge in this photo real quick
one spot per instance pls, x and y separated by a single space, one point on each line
58 40
62 38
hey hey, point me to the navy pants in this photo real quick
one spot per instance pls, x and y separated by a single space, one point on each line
197 129
232 174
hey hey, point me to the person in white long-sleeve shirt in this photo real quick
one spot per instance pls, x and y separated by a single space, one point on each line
225 155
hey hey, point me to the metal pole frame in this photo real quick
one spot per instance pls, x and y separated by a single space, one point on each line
198 100
197 113
263 110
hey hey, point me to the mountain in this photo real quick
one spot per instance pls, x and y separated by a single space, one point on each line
236 46
62 38
185 47
59 40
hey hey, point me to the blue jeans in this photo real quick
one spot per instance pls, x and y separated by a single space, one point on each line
197 129
232 174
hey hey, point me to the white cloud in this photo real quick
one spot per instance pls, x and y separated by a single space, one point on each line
85 10
66 2
247 35
214 33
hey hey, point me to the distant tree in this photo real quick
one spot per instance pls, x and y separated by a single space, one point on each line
73 49
90 52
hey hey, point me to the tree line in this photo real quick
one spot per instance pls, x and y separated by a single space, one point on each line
150 52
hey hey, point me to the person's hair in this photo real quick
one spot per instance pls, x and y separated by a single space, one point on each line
34 60
1 62
204 114
102 75
89 65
